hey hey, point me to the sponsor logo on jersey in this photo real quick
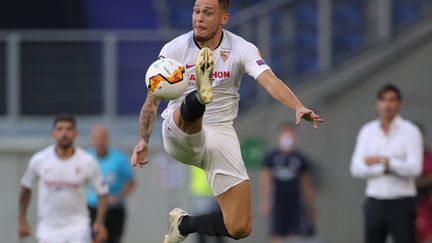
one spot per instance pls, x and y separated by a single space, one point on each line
190 65
260 62
217 74
62 185
224 55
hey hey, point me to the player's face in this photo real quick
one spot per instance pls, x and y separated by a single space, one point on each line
64 134
207 19
388 105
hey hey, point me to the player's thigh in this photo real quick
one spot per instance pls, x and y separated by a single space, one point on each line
223 163
186 148
235 204
81 234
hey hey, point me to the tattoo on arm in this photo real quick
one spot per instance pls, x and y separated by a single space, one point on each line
148 116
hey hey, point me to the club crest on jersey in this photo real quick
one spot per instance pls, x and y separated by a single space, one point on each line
224 55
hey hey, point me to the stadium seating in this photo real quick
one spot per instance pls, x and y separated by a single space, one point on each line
348 27
405 12
2 80
305 37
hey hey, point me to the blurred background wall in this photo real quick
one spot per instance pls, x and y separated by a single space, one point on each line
89 58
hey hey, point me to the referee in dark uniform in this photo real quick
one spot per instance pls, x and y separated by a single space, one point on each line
286 189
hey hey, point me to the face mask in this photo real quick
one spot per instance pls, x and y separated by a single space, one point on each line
286 142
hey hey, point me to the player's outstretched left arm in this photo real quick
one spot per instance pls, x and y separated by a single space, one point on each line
146 121
279 91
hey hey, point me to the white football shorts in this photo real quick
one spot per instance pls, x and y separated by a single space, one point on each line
73 233
216 149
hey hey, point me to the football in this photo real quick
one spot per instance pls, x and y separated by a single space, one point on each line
165 79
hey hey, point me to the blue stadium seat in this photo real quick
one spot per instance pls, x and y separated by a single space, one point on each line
405 12
306 36
180 15
305 63
349 20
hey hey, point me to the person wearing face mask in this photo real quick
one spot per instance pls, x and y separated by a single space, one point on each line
287 193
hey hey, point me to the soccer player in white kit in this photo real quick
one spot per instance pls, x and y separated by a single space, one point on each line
198 126
62 172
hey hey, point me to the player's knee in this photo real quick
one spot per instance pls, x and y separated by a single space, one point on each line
239 230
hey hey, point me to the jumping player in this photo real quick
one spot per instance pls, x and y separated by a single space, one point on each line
198 127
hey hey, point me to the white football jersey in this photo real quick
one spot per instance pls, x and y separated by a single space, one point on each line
233 57
61 197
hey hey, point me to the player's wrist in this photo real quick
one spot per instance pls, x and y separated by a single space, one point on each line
299 106
22 219
98 222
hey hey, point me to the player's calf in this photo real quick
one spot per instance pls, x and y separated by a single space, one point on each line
191 110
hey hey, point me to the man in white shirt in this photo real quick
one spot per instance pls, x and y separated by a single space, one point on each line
388 154
62 172
198 126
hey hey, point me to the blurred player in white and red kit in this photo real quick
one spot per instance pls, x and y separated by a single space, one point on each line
62 172
198 126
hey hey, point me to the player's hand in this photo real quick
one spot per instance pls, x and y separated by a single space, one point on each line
139 154
308 115
24 229
100 233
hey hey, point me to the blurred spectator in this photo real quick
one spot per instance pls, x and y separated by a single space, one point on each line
117 172
388 154
63 171
202 199
424 187
287 193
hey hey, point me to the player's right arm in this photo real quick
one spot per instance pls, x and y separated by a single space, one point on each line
24 228
146 121
28 181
